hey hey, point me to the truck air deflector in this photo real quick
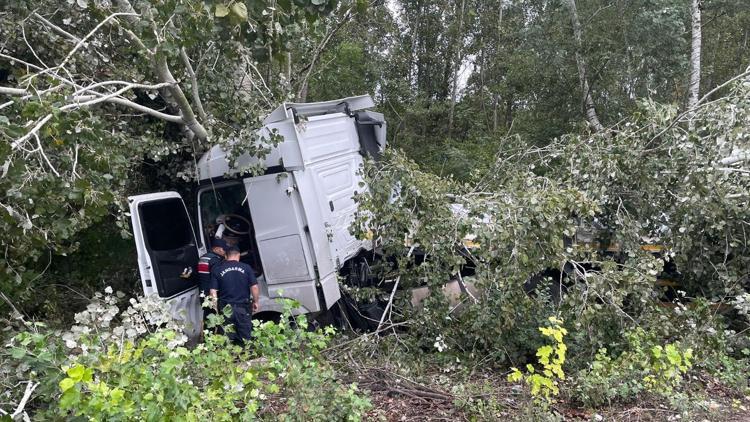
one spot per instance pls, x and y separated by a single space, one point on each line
289 110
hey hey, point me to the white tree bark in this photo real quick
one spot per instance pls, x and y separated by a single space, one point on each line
173 90
588 102
456 66
496 96
695 55
168 86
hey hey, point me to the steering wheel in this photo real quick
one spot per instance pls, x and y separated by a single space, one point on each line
237 224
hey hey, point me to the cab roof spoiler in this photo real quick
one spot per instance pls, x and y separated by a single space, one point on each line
296 110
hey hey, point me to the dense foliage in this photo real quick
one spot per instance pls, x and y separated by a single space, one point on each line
135 363
583 211
634 234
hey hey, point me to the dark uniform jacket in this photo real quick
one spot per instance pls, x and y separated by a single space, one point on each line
233 280
205 264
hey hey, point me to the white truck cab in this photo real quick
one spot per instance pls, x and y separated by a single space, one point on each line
291 223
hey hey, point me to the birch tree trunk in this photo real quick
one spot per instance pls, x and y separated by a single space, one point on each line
456 67
695 56
588 101
495 105
496 96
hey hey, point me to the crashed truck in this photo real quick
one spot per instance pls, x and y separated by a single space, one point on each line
291 223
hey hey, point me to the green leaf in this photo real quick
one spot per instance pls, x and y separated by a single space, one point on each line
17 353
515 375
673 355
240 10
221 11
656 351
69 398
76 372
66 384
544 353
88 375
117 395
361 6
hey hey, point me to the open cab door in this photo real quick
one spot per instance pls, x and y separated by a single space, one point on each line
168 253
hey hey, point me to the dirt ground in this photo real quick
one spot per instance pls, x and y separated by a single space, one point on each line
397 398
393 407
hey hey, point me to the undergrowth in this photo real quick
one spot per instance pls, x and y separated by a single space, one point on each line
135 363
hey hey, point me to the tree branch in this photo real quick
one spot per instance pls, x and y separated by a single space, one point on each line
138 107
17 143
82 42
698 105
41 151
128 85
302 92
78 104
13 91
30 387
162 70
734 159
57 28
193 84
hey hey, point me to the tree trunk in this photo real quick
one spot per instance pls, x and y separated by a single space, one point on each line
695 56
588 101
497 47
482 90
456 67
413 57
509 112
499 18
495 106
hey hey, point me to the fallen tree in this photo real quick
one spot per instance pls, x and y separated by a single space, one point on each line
674 182
93 93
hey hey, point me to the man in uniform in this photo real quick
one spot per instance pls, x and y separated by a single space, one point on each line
233 283
205 264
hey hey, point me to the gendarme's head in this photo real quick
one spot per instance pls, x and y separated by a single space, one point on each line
219 246
233 253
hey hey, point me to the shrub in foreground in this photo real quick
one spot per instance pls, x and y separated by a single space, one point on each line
136 364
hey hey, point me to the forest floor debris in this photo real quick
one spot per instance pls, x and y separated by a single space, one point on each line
486 395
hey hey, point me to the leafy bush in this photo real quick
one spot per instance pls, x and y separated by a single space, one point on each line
707 328
544 383
645 366
659 179
116 365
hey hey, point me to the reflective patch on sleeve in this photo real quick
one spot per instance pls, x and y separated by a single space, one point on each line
203 267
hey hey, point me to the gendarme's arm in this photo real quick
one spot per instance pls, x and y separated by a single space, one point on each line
256 297
215 298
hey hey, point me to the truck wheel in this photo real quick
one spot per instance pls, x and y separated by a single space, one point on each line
264 316
550 282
